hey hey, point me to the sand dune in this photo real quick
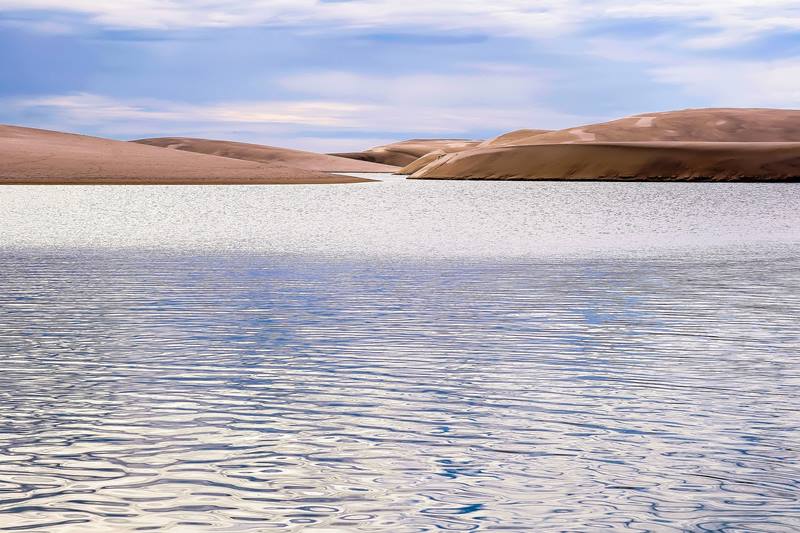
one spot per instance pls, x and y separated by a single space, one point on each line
422 162
268 154
39 156
696 144
403 153
680 161
429 157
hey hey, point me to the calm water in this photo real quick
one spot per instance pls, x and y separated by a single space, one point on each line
400 357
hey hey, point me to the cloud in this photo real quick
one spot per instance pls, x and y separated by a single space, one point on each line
736 83
177 14
84 108
466 87
295 123
716 23
442 104
317 71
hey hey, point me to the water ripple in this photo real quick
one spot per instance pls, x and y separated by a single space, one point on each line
156 392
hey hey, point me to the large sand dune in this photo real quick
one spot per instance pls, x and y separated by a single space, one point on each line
702 144
269 155
402 153
47 157
680 161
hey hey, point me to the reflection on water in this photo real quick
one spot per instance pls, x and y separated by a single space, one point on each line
156 392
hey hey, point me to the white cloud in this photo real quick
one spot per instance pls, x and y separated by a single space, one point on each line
440 104
357 13
737 83
720 22
83 108
469 87
336 100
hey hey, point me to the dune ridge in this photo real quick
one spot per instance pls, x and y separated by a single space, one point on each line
35 156
695 144
268 155
699 125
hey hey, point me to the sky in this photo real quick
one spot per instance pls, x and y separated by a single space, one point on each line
339 75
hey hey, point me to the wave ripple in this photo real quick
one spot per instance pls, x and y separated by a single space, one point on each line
152 392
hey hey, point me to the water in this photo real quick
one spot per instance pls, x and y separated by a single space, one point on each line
269 372
408 218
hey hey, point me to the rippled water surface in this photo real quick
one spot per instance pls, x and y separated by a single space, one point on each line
206 384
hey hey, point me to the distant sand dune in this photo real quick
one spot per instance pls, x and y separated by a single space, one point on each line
403 153
47 157
695 144
268 154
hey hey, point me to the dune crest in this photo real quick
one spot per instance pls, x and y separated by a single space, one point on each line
268 155
34 156
699 125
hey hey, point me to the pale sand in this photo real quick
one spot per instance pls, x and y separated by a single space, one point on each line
670 161
269 155
33 156
403 153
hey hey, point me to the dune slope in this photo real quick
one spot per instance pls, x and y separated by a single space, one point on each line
268 154
33 156
403 153
679 161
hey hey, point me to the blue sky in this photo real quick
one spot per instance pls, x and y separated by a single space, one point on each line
344 75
